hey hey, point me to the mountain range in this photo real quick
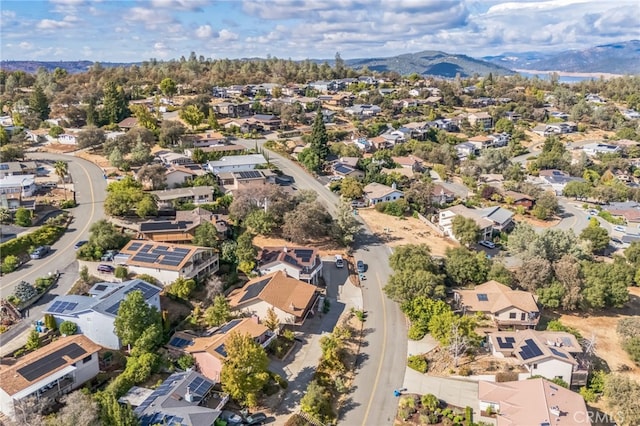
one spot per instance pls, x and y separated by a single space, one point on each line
614 58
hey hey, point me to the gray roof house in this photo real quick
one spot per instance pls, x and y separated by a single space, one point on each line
557 179
95 314
236 163
185 399
502 218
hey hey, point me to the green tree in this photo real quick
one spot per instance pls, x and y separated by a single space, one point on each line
260 222
465 229
605 284
198 156
62 170
91 137
50 322
596 235
271 321
212 120
121 272
245 371
144 116
33 341
218 313
308 220
622 394
22 217
116 159
39 104
122 197
186 361
171 133
182 287
68 328
346 226
310 160
114 413
5 215
192 116
134 317
351 188
577 189
415 274
546 205
168 87
206 235
316 402
319 138
10 264
464 266
114 104
246 253
147 206
420 310
441 326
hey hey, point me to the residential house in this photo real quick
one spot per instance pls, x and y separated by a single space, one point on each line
550 354
532 402
418 130
557 179
380 142
95 314
363 110
481 118
466 150
446 124
21 185
492 179
513 116
18 168
409 162
176 176
445 220
267 122
349 161
519 199
174 158
194 195
232 109
230 149
184 398
596 148
202 140
480 142
441 195
208 350
502 218
363 144
232 181
506 307
68 139
48 372
628 210
182 228
168 262
128 123
375 193
301 263
237 163
393 137
343 170
498 140
559 115
291 299
245 126
594 98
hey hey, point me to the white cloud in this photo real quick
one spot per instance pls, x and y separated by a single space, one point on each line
192 5
50 24
152 19
204 31
226 35
25 45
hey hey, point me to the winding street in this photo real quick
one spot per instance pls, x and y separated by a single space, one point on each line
90 188
383 355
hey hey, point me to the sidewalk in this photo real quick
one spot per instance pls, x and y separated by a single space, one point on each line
299 367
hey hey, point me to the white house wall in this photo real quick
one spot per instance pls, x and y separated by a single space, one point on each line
164 277
260 309
552 368
96 326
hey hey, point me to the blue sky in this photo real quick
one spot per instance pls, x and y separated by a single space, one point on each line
137 30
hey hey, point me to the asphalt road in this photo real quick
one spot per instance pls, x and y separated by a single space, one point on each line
383 355
90 188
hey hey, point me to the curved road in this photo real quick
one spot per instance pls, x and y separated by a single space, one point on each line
383 355
90 188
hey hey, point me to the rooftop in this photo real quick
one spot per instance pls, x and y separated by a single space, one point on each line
494 297
238 160
171 257
376 190
45 361
300 258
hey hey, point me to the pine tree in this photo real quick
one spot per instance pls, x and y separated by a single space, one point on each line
39 104
319 138
114 103
271 321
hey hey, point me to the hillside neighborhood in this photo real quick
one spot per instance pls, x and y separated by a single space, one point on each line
282 243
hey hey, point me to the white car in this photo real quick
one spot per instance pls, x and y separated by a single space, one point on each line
487 244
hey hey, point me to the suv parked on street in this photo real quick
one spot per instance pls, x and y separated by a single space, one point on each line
40 252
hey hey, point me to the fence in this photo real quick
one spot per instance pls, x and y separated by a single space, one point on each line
431 225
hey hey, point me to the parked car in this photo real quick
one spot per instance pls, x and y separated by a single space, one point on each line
107 269
255 419
80 244
619 228
231 418
108 256
339 261
360 266
593 212
40 252
487 244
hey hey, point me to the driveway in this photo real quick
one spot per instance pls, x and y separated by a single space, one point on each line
460 393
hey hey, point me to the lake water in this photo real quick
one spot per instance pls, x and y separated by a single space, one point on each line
561 79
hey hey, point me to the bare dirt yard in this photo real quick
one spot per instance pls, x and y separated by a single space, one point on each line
408 230
603 327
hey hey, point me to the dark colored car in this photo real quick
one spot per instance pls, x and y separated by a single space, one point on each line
80 244
40 252
360 266
231 418
255 419
108 269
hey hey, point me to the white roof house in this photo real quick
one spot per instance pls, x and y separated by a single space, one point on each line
236 163
95 314
24 184
596 148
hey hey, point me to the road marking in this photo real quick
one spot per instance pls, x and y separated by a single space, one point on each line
384 342
89 223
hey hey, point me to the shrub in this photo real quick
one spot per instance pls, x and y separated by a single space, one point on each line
68 328
430 401
632 346
9 264
68 204
186 361
50 322
282 382
417 331
289 334
25 291
121 272
556 325
418 363
46 235
464 371
506 376
22 217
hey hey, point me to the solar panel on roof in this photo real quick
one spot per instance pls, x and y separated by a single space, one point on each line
200 386
566 341
146 258
49 363
146 248
505 343
162 248
252 174
135 246
179 342
254 289
530 350
482 297
113 309
100 287
181 250
228 326
558 353
170 262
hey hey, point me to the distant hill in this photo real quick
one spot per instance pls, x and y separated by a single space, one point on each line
614 58
431 62
72 67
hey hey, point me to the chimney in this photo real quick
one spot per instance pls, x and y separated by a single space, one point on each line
393 185
188 396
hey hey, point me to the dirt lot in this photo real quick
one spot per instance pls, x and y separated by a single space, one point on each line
608 345
403 231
